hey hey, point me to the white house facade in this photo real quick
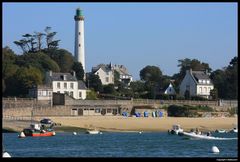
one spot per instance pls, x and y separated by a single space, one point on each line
197 83
105 73
124 76
66 83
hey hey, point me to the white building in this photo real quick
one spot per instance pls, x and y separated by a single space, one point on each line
79 38
66 83
124 77
170 90
197 83
41 93
105 73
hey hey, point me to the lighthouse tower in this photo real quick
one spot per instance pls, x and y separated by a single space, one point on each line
79 38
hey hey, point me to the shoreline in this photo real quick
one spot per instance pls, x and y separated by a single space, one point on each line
127 124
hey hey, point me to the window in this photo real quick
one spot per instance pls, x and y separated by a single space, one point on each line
97 110
79 33
58 91
71 93
65 85
109 110
205 89
107 79
209 89
208 81
71 85
39 93
200 89
58 85
79 45
44 93
204 81
200 81
80 94
107 73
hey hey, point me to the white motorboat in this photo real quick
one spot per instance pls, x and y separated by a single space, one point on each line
93 131
234 130
6 155
175 129
220 131
207 137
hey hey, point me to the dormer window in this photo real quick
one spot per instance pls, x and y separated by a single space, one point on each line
208 81
64 77
200 81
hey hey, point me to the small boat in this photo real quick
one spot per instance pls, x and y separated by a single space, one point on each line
234 130
220 131
6 154
175 129
36 130
202 136
93 131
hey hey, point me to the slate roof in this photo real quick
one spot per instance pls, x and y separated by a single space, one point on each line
104 68
81 85
201 75
59 77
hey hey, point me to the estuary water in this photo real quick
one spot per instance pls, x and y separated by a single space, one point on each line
111 144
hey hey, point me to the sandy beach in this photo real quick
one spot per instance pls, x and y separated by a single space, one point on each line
120 123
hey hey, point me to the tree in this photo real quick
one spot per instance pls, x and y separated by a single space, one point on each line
232 79
39 36
8 62
91 95
109 89
39 60
77 67
3 86
49 38
27 77
226 80
150 74
63 58
116 77
94 82
219 80
214 94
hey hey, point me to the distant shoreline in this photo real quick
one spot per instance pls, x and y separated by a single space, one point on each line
127 124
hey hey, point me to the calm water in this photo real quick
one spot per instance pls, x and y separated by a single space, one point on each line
117 145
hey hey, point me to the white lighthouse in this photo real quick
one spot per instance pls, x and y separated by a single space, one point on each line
79 38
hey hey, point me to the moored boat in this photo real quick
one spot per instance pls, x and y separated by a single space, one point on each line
6 154
201 136
36 130
175 129
234 130
93 131
220 131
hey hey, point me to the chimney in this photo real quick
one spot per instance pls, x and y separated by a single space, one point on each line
74 73
50 72
206 72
